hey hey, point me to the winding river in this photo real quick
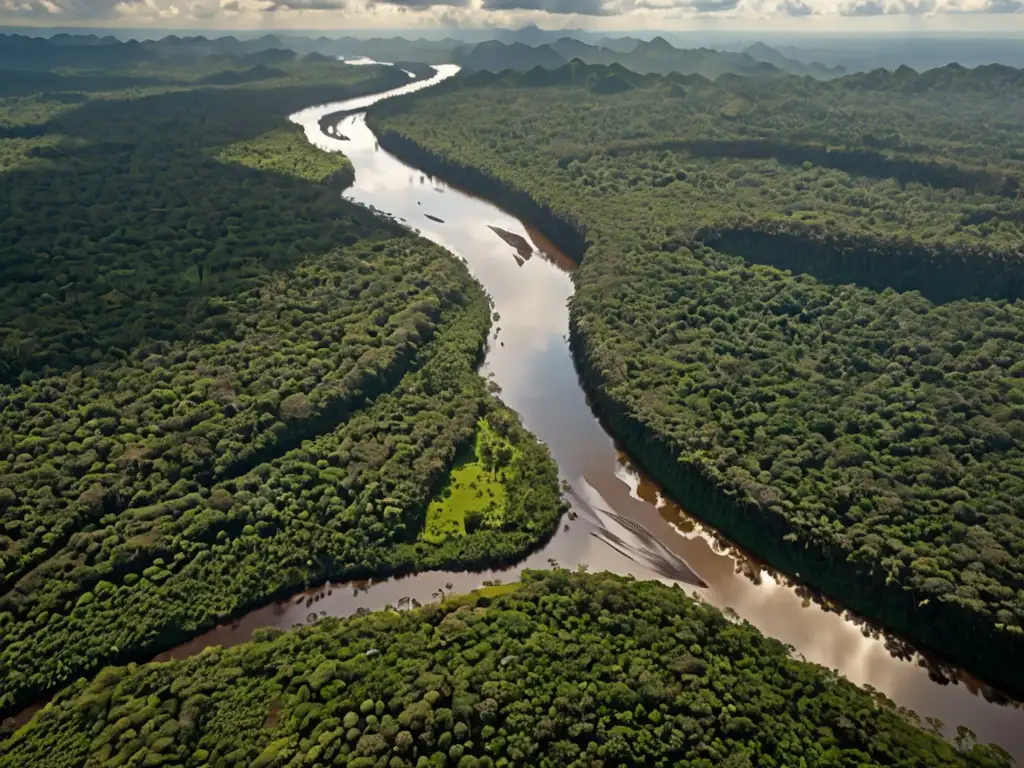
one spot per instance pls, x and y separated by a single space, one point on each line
621 521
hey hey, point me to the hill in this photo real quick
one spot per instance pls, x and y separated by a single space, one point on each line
655 56
560 670
766 53
495 56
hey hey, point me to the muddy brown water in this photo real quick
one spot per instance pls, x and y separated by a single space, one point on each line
621 520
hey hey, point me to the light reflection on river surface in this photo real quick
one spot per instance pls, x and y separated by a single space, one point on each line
622 521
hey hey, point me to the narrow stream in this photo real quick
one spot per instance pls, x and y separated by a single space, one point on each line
621 521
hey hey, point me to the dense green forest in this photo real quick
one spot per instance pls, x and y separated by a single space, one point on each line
219 381
563 669
799 306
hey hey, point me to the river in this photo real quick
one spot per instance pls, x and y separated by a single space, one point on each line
621 521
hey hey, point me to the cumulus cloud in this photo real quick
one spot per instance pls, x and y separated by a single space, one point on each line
458 17
1003 6
85 10
863 8
712 6
613 7
147 10
102 10
913 7
895 7
581 7
794 8
29 7
483 13
689 7
418 5
273 6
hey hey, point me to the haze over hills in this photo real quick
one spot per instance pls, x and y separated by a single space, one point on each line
495 56
920 53
820 56
91 51
793 66
642 56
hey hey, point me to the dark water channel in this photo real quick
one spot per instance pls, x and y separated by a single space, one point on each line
621 521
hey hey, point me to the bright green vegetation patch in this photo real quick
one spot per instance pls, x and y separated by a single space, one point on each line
20 115
474 495
26 153
495 590
566 670
287 151
799 306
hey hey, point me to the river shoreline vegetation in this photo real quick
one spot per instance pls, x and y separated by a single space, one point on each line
221 382
798 306
561 669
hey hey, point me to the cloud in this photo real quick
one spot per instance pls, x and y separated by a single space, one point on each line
710 6
581 7
689 8
68 9
200 12
912 7
102 10
794 8
1003 6
273 6
895 7
30 7
484 13
147 9
417 5
863 8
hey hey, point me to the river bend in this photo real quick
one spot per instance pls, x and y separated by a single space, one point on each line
620 519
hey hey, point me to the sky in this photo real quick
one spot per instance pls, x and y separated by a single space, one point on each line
857 17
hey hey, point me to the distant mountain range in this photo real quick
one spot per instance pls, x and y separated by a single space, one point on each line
642 56
825 55
88 52
815 69
19 51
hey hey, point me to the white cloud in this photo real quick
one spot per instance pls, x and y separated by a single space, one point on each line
835 15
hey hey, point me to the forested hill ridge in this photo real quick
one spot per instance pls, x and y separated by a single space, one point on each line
87 52
23 51
798 306
561 670
219 381
641 56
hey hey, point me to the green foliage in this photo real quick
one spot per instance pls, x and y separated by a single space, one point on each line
287 151
475 493
221 383
799 307
565 670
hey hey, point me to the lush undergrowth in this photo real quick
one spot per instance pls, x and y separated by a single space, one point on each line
859 420
220 382
564 670
474 495
287 151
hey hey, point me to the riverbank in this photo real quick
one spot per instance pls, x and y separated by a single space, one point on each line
933 624
339 406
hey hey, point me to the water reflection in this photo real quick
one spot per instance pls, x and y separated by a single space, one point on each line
621 520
